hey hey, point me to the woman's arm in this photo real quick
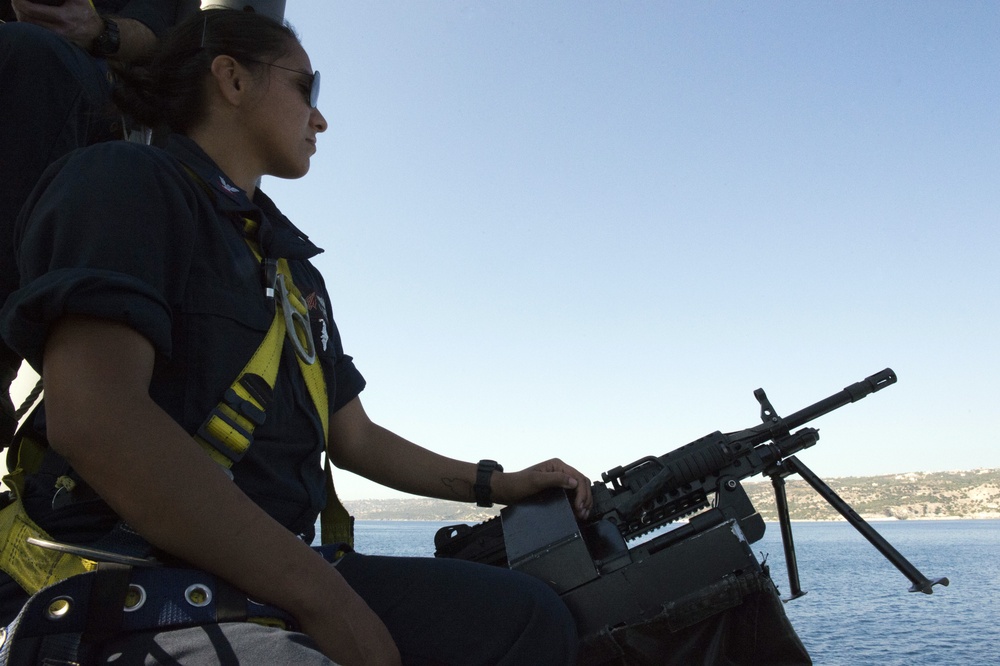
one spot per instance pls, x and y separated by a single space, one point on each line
151 472
361 446
79 22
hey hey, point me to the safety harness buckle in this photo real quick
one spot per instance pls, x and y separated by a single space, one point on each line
222 429
244 407
227 432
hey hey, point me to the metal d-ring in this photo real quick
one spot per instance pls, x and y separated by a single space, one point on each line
297 325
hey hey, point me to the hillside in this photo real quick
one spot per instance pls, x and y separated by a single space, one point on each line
917 495
972 494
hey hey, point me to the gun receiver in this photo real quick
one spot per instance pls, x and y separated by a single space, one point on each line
652 492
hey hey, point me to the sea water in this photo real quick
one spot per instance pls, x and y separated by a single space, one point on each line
857 609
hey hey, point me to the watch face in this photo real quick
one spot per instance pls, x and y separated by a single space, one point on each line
108 42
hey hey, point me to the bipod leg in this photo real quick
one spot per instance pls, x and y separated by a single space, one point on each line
920 582
791 563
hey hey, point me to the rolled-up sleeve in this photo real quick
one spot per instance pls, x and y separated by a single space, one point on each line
105 234
95 293
349 382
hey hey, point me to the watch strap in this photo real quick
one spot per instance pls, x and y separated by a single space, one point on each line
482 488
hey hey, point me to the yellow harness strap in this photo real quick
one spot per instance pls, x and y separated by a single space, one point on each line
227 433
31 566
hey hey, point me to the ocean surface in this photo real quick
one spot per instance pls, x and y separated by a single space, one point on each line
857 610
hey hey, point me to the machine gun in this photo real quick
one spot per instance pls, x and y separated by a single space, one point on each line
691 572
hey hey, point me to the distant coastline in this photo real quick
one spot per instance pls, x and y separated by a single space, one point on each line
972 494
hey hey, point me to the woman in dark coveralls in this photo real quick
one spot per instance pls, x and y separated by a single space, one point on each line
141 300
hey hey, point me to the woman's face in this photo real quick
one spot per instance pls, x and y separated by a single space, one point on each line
282 124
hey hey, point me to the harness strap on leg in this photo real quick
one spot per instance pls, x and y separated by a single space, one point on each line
60 650
230 603
106 606
67 622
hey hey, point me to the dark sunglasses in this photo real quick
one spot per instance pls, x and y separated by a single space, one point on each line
312 96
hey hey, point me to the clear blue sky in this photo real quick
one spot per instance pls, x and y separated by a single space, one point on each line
592 229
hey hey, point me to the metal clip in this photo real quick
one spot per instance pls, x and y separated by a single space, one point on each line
94 554
269 275
297 325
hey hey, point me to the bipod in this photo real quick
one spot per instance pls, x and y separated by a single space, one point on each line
793 465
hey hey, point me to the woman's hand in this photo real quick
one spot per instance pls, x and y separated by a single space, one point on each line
76 20
349 632
512 487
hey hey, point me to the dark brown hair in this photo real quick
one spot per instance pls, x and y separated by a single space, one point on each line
169 90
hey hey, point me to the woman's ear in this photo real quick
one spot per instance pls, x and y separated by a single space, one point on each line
229 78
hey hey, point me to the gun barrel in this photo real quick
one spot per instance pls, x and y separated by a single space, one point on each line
735 454
852 393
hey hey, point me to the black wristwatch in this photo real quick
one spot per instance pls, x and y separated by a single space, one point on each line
109 41
482 488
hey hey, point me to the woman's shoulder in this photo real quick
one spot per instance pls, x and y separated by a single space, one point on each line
126 159
128 173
